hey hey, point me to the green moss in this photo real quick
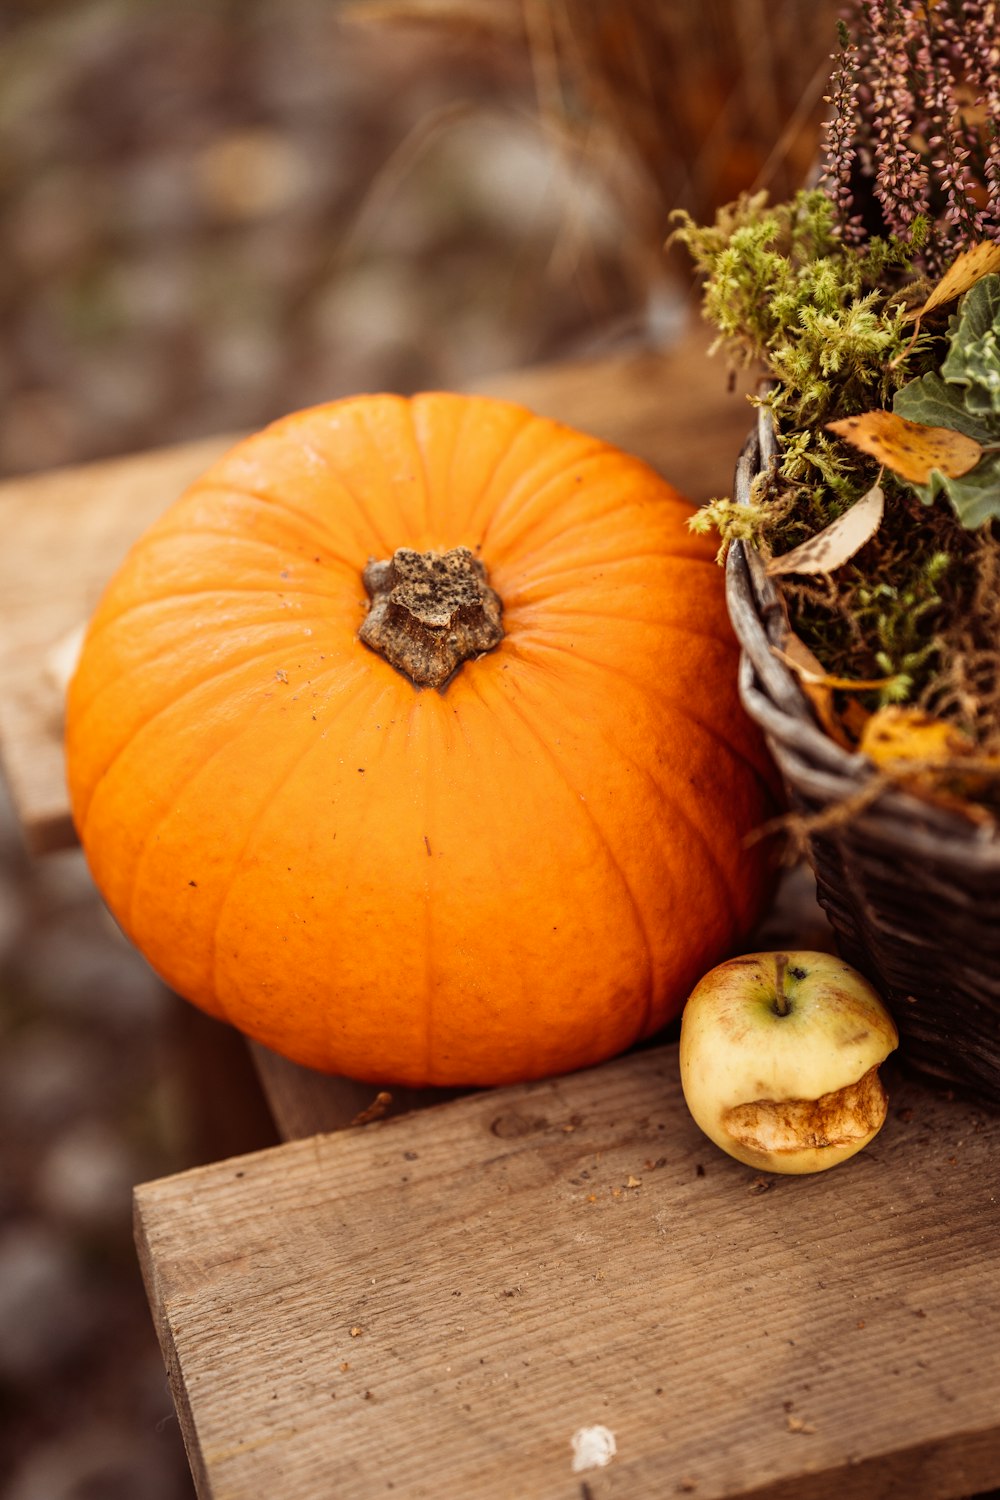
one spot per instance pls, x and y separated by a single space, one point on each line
828 327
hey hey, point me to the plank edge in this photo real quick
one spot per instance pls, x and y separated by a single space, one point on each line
156 1297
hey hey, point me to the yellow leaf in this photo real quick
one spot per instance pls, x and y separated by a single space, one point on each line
968 268
818 687
932 760
909 448
895 735
830 548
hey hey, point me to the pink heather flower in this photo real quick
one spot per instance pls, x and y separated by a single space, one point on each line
915 107
839 147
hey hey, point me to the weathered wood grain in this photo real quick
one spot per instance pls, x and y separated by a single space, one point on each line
304 1102
66 531
433 1305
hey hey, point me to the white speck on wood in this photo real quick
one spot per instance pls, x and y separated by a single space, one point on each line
593 1448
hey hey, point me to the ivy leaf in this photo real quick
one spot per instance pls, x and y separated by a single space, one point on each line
975 496
965 396
973 360
930 401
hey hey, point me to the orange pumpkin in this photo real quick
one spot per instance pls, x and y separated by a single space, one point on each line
516 869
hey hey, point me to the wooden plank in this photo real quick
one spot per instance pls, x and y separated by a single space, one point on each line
304 1103
66 531
434 1305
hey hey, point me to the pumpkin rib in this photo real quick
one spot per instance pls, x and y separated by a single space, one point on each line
401 426
403 526
656 687
212 680
248 539
505 454
362 510
294 644
509 511
637 488
315 521
336 471
554 578
115 683
515 733
429 936
726 877
538 736
233 626
209 593
157 823
424 474
461 433
266 805
666 627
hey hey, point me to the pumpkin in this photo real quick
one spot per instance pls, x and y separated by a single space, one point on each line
408 741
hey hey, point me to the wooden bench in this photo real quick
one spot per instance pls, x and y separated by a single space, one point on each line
440 1302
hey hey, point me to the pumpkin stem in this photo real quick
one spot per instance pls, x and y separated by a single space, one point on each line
429 612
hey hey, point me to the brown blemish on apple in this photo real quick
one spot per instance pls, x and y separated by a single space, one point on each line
774 1126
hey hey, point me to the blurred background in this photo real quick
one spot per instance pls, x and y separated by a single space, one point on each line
213 212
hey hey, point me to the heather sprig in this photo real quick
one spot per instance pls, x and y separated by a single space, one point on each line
822 292
840 151
915 118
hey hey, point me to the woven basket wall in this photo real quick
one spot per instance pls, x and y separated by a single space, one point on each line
912 892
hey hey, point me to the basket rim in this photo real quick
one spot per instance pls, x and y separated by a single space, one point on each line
770 692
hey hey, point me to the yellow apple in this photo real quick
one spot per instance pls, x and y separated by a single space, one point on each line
779 1059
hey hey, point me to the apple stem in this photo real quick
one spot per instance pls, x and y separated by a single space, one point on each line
781 1004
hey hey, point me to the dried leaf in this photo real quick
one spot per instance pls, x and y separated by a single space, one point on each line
809 671
965 396
909 448
854 718
837 543
932 759
969 267
377 1110
805 665
895 735
819 687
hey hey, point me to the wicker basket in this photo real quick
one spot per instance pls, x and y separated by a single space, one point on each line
912 892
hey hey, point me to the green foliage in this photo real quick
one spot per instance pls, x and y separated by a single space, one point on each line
825 322
973 358
893 615
829 326
965 396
